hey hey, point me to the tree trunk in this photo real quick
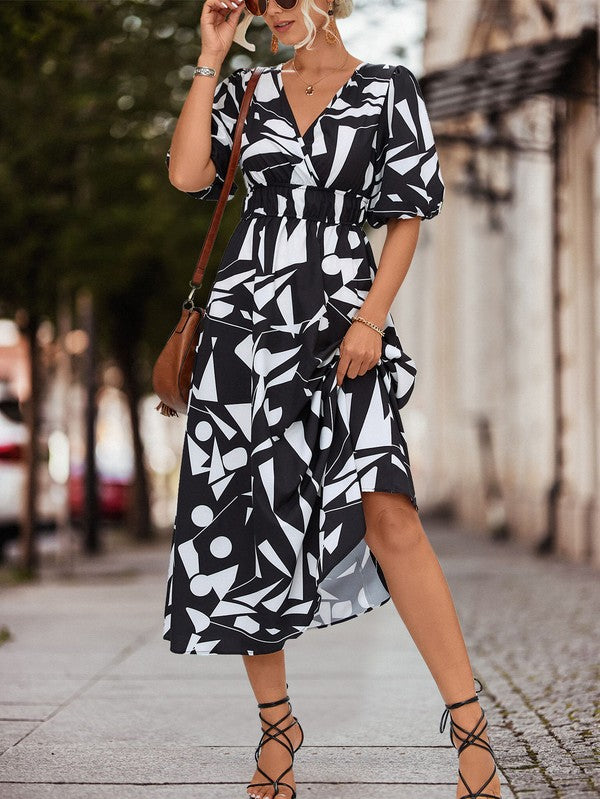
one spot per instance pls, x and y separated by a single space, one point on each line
31 412
139 508
91 537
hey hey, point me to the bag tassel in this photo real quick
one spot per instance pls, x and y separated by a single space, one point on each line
166 410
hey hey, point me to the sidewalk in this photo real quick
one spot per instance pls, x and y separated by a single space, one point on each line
93 705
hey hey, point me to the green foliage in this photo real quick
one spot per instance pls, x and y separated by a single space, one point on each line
89 97
5 634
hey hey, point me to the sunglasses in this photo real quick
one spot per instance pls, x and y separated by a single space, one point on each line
259 7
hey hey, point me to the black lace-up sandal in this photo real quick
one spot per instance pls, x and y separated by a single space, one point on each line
470 738
267 735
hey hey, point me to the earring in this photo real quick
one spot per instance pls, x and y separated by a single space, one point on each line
332 31
274 44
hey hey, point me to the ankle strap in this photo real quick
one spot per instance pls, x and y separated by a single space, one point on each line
273 704
446 712
465 701
278 702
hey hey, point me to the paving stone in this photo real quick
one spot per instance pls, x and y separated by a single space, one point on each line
88 676
30 711
231 791
127 762
342 714
11 732
533 632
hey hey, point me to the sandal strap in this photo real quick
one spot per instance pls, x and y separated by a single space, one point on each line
273 704
276 784
273 781
268 735
470 737
293 796
277 702
446 712
480 793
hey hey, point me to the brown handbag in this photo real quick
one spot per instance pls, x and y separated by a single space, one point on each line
173 370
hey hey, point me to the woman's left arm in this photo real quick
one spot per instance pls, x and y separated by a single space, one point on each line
361 346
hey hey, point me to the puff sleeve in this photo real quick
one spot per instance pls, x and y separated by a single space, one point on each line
407 176
226 107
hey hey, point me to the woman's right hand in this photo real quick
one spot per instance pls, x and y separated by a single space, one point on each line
217 28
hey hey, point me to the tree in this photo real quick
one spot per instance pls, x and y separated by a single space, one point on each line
89 95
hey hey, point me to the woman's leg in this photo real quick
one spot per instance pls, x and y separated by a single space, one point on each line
267 678
422 597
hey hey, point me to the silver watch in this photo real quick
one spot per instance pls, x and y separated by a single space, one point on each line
209 71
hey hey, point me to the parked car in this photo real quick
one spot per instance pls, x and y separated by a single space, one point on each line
114 459
13 473
13 441
113 495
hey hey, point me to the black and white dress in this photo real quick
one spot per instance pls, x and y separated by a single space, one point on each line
269 532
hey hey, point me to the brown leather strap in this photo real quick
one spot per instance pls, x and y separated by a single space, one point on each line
232 166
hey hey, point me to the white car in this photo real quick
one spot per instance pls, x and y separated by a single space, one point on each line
14 437
13 443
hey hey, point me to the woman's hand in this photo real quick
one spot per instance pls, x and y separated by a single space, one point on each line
218 22
360 350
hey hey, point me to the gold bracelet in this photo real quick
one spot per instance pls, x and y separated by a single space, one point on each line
366 322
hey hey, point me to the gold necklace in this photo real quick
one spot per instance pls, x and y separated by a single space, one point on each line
310 86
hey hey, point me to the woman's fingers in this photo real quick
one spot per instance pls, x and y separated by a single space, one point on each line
224 5
228 6
343 365
218 22
221 9
357 357
353 367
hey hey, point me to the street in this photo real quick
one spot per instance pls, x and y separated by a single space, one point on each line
94 705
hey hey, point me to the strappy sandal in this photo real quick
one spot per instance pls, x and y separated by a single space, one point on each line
471 738
267 735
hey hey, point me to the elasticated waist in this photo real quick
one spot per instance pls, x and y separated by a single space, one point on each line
307 202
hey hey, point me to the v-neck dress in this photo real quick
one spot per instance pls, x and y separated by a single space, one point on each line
269 532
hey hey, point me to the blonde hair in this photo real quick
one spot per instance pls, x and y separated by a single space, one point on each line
341 9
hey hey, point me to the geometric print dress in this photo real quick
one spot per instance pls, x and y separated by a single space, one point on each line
269 532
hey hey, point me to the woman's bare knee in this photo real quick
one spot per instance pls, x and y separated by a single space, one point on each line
393 523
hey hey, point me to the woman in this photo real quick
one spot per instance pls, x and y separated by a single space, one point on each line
296 504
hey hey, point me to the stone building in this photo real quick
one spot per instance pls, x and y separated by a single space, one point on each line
501 306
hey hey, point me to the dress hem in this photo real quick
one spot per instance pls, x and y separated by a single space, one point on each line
178 646
412 497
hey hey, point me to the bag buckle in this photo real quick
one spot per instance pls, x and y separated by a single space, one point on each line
189 303
193 291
